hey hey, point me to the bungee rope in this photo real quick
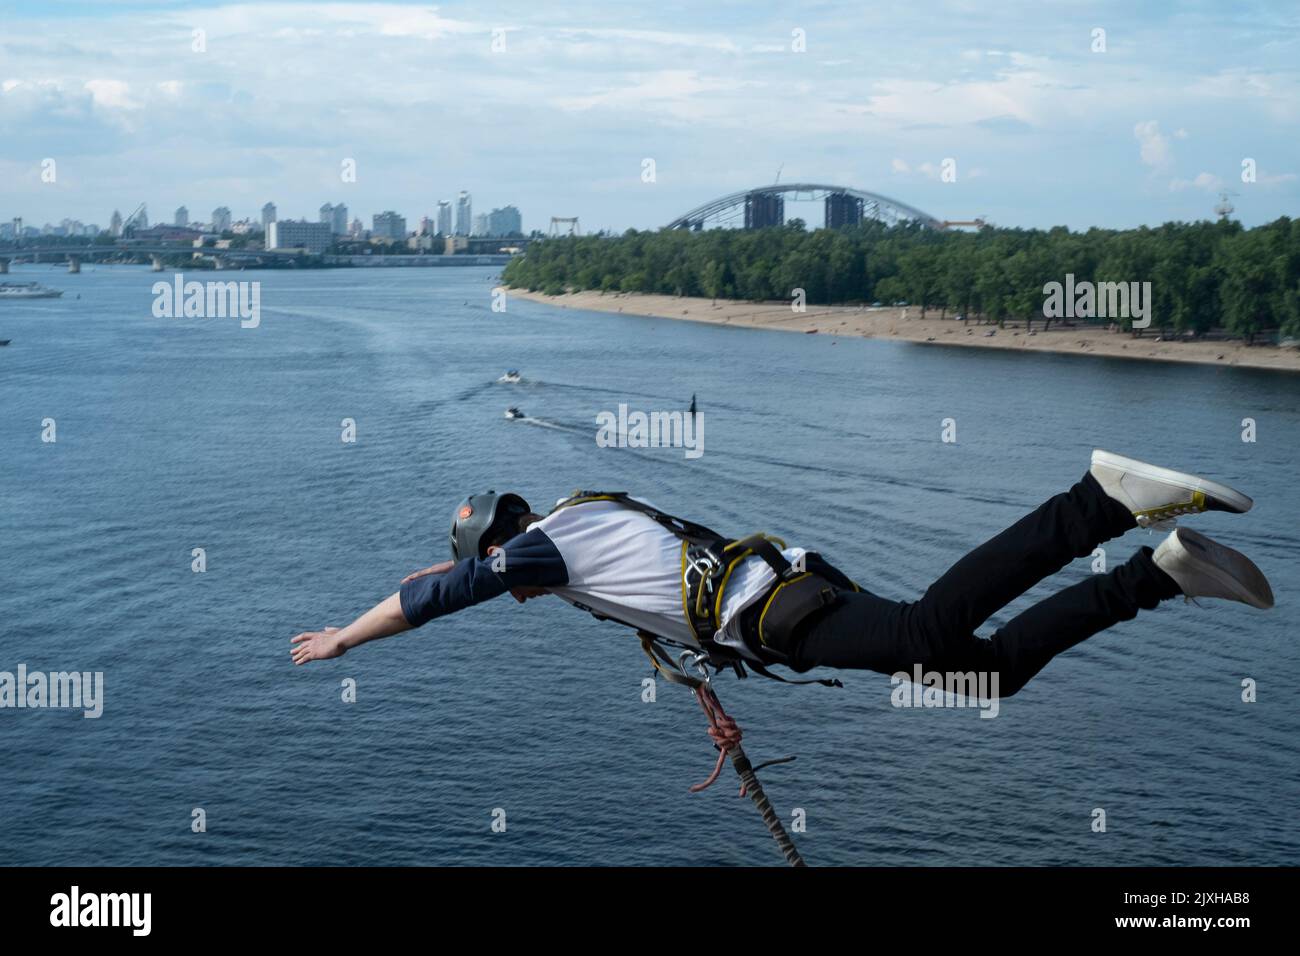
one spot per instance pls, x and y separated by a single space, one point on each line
726 735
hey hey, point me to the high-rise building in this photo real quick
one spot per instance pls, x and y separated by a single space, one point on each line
221 219
357 230
114 224
480 227
268 216
388 225
444 217
427 226
337 217
504 222
182 217
464 214
313 237
71 227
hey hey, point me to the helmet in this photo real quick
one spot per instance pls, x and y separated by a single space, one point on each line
479 518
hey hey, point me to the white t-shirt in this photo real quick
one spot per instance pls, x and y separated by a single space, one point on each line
625 565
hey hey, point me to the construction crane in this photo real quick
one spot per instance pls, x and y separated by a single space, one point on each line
129 223
559 222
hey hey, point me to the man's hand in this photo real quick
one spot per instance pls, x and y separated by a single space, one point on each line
440 568
317 646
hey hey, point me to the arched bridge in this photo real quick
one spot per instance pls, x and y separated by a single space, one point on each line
765 206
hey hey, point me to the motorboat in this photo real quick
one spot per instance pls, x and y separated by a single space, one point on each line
27 290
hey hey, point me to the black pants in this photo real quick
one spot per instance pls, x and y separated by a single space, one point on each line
937 632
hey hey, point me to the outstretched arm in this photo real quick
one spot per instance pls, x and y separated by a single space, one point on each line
382 620
529 560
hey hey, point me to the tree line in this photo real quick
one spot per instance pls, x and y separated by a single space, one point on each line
1204 276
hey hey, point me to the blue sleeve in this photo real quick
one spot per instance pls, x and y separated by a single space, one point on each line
531 560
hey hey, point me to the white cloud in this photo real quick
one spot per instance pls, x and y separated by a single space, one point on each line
1153 146
113 94
1207 181
682 93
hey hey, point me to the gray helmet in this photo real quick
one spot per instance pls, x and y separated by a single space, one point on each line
479 519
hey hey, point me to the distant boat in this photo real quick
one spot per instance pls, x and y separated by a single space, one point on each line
4 342
27 290
512 376
513 412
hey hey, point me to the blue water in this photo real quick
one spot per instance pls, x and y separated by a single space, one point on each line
192 433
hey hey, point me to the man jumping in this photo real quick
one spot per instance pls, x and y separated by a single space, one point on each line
755 602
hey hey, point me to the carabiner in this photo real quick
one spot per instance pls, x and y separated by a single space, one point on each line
698 661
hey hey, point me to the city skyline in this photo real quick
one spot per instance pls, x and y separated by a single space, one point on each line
498 220
1046 123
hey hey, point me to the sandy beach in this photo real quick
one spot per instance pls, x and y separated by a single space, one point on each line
905 324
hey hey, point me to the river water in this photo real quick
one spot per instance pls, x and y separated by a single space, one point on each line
183 434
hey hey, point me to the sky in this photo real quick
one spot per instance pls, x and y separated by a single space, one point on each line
556 108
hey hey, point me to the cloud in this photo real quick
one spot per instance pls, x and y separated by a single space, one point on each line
1004 124
926 169
415 93
1207 181
685 94
113 94
1153 146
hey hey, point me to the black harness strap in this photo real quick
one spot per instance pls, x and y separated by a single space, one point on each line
708 559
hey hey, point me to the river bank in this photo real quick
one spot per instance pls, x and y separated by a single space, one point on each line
905 324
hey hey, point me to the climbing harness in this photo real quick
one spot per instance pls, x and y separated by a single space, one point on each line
708 560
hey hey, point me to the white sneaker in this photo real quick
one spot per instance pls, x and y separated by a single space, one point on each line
1204 568
1157 496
